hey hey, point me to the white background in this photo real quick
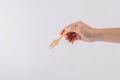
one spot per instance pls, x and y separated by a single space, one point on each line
28 26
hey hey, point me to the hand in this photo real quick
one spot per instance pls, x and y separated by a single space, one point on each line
79 31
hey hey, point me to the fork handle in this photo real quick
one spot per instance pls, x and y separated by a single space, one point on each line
64 33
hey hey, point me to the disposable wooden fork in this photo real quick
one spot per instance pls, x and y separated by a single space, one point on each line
56 41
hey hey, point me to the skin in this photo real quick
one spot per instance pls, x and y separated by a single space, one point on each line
81 31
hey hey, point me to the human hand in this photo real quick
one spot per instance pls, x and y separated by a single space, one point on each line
79 31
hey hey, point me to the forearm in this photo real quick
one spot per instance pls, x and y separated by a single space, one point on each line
108 35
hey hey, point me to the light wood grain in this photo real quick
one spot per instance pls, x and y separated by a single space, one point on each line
56 41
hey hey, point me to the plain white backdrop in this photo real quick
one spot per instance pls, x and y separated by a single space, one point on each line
28 26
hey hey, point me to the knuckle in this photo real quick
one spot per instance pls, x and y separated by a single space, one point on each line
79 21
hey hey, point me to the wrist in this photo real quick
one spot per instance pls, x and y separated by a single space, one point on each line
98 34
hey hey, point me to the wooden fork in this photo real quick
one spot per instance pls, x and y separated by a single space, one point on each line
56 41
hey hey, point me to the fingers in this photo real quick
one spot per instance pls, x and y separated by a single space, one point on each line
74 27
72 32
68 29
71 37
